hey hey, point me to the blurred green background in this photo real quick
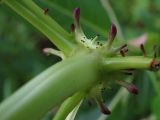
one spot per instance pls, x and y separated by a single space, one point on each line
21 56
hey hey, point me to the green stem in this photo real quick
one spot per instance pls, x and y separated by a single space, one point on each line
69 105
120 63
43 23
44 92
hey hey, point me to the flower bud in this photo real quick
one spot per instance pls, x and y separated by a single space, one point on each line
76 15
130 87
103 108
112 34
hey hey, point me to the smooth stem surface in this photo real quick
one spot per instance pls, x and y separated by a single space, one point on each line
33 100
43 23
120 63
68 105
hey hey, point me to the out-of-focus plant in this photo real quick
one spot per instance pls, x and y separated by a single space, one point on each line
88 66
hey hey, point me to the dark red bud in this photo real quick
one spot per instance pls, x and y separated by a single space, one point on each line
72 27
76 15
130 87
112 32
103 108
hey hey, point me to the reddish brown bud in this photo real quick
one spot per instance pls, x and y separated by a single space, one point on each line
76 15
142 49
46 11
103 108
72 27
130 87
112 34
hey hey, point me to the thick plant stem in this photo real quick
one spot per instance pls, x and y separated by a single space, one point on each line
43 23
69 105
43 93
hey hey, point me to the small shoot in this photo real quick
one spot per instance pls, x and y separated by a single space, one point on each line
52 51
129 86
111 35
